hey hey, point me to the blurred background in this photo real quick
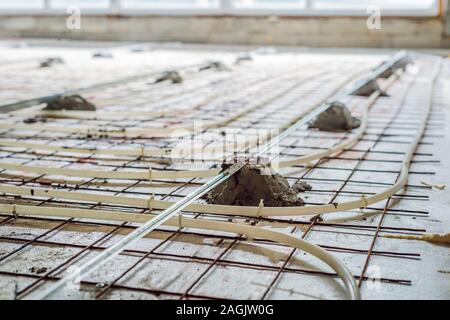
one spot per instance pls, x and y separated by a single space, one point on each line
311 23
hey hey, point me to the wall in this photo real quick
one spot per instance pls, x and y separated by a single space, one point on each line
299 31
446 40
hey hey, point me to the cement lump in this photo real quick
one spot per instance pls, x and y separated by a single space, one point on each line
301 186
217 65
253 183
368 88
244 57
336 118
172 76
102 54
71 102
51 62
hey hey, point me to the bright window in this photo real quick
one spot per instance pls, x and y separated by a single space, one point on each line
22 4
236 7
383 4
169 4
82 4
270 4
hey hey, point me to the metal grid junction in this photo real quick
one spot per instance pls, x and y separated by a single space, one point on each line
210 107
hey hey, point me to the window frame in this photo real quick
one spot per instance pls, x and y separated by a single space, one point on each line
226 8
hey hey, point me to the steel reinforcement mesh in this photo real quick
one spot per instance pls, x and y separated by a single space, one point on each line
187 263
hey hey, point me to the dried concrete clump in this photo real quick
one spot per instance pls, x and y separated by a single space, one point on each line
253 183
400 64
403 63
368 88
301 186
244 57
35 120
387 73
217 65
73 103
102 54
38 270
173 76
51 62
336 118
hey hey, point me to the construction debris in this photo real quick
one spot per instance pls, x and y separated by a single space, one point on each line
403 63
301 186
51 62
253 185
34 120
38 270
243 58
368 88
336 118
173 76
316 218
102 54
218 65
387 73
71 102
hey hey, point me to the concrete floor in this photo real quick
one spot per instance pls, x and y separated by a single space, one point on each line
198 264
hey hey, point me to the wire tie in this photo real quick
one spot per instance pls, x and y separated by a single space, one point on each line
260 207
150 174
150 200
14 212
363 198
179 220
